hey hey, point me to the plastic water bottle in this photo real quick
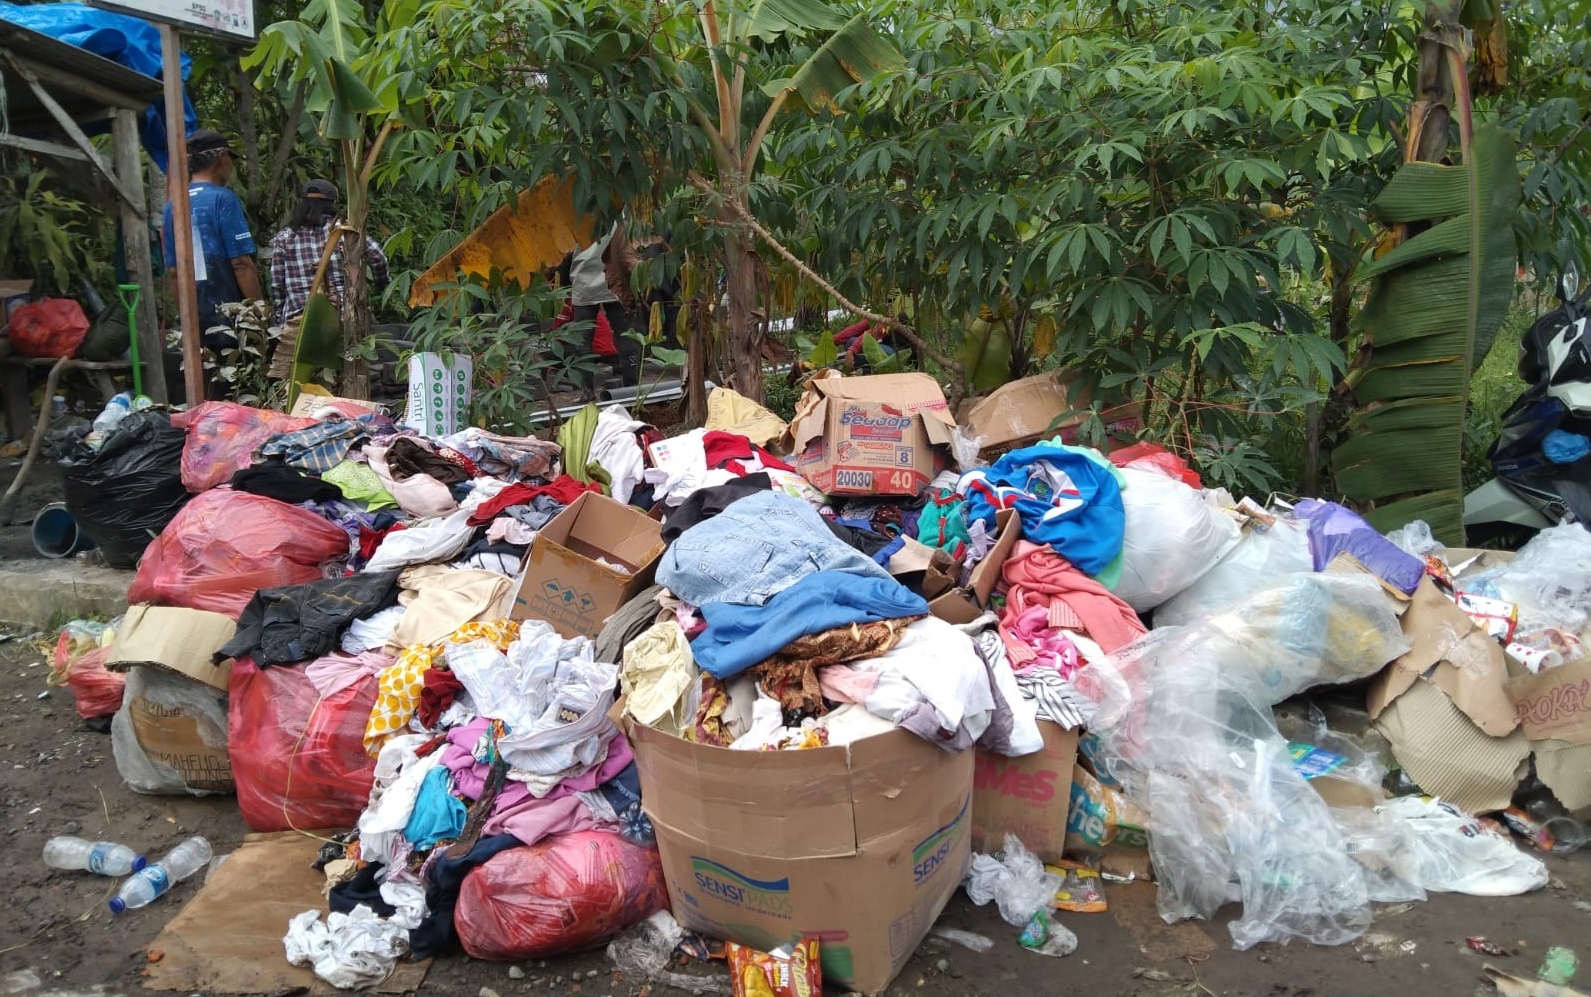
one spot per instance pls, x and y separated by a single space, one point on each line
117 409
141 888
103 858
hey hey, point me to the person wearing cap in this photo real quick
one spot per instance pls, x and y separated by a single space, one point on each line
223 258
296 249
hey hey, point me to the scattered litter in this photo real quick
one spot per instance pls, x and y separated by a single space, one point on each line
791 970
1046 936
1485 946
966 939
1558 966
643 955
1016 881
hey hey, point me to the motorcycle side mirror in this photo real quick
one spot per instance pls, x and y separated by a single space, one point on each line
1569 282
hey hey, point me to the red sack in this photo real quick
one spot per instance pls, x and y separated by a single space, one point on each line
80 665
225 545
568 893
298 760
1154 457
53 327
222 438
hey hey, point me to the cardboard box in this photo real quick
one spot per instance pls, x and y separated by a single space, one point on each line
1022 412
870 435
177 640
1554 708
860 846
1029 797
440 388
1445 709
306 404
184 733
563 582
961 606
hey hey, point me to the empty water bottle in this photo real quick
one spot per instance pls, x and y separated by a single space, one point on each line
104 858
141 888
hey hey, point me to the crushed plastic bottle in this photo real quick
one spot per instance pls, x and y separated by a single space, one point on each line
1559 967
141 888
1046 936
103 858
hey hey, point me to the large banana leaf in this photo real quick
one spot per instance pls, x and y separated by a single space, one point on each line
767 20
854 53
319 343
1434 307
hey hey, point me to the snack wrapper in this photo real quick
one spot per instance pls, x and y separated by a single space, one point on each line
788 971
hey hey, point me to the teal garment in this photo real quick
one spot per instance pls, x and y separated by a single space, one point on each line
438 815
943 523
1110 575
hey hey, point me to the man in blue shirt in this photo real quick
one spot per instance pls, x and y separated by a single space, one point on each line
223 247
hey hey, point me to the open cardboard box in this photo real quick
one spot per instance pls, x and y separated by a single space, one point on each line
1025 411
564 582
860 846
1029 796
871 435
961 606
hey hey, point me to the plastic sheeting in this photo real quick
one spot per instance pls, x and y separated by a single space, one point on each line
121 38
563 895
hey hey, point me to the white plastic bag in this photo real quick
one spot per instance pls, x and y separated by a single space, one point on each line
1261 558
167 705
1172 538
1017 882
1455 853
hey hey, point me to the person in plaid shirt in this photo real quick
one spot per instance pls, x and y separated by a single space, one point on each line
295 254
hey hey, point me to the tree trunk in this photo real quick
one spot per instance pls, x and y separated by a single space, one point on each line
357 318
698 353
745 326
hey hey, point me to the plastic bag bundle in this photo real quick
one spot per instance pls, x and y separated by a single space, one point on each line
564 894
1550 580
50 327
125 493
1230 819
1261 558
169 737
1455 853
1016 881
222 437
298 759
1173 537
80 655
1305 630
226 545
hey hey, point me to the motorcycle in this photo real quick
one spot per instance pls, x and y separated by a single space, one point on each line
1541 458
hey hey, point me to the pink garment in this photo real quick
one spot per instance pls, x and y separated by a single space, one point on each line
336 672
845 684
531 820
1034 641
469 775
1037 577
418 494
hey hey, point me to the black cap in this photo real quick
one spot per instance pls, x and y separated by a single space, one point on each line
323 189
204 140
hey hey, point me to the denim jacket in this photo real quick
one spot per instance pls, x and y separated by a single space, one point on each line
753 550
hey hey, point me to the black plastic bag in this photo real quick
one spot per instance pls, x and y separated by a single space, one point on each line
125 494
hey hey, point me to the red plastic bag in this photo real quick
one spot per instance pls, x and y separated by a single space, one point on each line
298 760
565 894
222 438
80 666
225 545
53 327
1154 457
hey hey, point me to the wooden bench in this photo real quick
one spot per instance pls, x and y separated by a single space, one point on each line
14 385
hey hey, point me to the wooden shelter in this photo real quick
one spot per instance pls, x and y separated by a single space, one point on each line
52 91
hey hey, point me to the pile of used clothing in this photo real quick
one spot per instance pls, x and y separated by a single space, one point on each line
555 686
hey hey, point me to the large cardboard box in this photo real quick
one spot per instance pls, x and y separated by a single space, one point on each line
860 846
1029 796
565 584
870 435
185 733
1025 411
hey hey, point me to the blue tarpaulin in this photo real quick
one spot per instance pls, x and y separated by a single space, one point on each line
121 38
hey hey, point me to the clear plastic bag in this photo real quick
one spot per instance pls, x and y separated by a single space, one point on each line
1261 558
177 715
1016 881
643 954
1172 537
1230 819
1382 845
1415 538
1550 580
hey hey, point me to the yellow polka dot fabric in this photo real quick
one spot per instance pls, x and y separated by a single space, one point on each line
399 684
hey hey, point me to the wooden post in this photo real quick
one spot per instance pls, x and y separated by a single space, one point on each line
181 215
135 246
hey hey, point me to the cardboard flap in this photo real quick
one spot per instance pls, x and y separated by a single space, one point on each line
1447 755
809 424
178 640
1566 770
1555 705
897 780
987 574
1021 410
1455 655
913 393
782 804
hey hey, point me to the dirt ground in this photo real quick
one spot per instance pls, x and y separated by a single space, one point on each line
57 937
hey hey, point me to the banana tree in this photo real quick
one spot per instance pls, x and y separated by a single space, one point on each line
734 33
358 92
1435 302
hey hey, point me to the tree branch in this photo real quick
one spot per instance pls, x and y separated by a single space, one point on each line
906 332
289 136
